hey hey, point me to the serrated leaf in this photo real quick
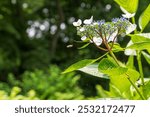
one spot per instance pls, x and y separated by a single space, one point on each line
107 66
93 70
128 5
79 65
146 56
140 46
144 18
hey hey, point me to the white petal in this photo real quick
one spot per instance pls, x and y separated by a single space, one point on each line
126 13
95 23
97 40
83 38
130 28
129 52
78 23
112 36
88 21
82 29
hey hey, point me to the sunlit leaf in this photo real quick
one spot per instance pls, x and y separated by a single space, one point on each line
79 65
146 91
146 56
142 37
128 5
122 82
93 70
140 46
118 75
84 46
117 47
109 67
130 62
144 18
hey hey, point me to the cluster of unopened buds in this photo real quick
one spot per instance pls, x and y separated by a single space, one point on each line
99 32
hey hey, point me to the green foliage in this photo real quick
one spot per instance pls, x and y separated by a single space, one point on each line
49 84
130 62
123 78
21 53
79 65
140 46
146 91
142 37
93 70
118 75
117 47
15 95
146 56
144 18
129 5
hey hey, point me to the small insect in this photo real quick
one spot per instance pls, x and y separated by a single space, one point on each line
69 46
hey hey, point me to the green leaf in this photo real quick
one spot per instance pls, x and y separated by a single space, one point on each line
128 5
140 46
79 65
130 62
84 46
146 88
82 64
146 56
117 47
101 92
93 70
107 66
122 82
144 18
142 37
118 75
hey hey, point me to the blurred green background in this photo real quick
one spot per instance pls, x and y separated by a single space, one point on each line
37 42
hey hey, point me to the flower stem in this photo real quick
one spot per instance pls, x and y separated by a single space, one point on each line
136 88
139 58
114 57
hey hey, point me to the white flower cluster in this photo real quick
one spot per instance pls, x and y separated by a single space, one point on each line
99 32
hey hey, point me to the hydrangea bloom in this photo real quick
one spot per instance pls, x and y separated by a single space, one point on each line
99 32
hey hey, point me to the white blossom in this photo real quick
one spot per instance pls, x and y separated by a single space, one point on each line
88 21
97 40
78 23
126 13
112 36
130 28
83 38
